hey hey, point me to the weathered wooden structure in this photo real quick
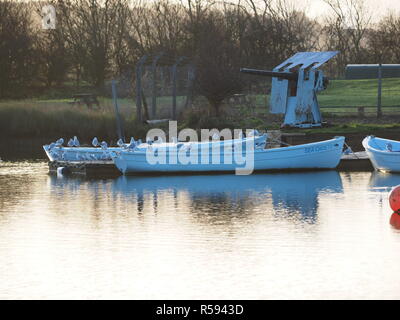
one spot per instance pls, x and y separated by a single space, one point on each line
295 83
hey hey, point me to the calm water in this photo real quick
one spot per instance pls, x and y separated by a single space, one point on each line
302 235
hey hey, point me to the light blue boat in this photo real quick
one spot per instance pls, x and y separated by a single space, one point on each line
317 155
71 154
57 152
383 153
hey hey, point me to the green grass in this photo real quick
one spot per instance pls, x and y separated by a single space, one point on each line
354 127
354 93
30 119
360 93
53 116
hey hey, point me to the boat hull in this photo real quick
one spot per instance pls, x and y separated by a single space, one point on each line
79 153
318 155
381 158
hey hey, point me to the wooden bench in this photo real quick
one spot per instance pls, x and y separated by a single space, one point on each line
87 98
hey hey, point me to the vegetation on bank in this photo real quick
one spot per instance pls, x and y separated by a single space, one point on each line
53 116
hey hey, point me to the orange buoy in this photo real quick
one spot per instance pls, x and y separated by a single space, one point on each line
394 198
395 220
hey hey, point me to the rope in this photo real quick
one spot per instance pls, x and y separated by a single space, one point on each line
348 147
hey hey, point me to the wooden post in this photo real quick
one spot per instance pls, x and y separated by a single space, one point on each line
174 91
379 106
174 67
118 119
139 68
154 85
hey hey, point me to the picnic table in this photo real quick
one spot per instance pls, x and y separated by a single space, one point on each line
89 99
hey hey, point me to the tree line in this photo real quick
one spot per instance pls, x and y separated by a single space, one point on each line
95 40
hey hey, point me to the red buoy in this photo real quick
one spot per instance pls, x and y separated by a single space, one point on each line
394 198
395 220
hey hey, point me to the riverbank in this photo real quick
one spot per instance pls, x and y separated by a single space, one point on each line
12 149
27 124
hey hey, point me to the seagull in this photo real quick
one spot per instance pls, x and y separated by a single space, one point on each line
52 145
103 145
120 143
132 144
95 142
253 133
60 142
76 142
70 143
159 140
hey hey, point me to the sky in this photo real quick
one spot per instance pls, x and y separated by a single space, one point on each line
317 8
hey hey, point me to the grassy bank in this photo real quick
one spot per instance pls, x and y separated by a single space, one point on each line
52 116
31 119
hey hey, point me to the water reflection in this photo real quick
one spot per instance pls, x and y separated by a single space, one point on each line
310 235
221 198
384 182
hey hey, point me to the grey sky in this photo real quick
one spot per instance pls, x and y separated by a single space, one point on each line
316 8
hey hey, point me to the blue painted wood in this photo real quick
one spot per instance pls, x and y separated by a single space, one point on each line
298 101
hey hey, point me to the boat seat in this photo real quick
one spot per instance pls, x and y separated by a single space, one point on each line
389 147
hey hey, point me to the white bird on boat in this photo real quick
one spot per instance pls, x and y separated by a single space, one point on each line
159 140
95 142
76 142
70 143
253 133
103 145
52 145
132 144
60 142
120 143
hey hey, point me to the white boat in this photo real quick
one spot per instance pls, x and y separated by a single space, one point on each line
57 152
383 153
317 155
60 153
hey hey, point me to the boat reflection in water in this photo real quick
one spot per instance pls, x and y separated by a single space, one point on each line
291 194
384 181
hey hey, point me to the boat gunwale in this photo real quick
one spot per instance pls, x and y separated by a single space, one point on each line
368 147
281 149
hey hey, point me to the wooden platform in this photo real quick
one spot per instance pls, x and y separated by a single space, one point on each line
357 161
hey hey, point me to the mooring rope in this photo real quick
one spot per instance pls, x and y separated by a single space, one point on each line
351 150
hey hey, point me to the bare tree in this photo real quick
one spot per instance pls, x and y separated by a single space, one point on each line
19 56
346 30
